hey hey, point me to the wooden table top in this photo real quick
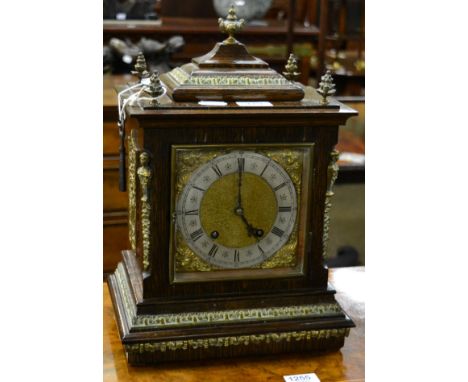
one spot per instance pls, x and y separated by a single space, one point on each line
345 365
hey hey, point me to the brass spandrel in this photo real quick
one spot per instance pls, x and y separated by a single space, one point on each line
186 260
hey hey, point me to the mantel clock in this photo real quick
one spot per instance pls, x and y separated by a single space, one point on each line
230 173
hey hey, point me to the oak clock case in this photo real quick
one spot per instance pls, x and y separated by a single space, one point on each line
228 211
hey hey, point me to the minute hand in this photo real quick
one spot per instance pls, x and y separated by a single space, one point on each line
251 230
239 186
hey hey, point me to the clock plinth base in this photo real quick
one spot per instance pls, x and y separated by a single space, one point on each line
155 338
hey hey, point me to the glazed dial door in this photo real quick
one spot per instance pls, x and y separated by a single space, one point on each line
237 210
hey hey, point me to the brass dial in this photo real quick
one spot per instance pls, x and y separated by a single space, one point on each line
237 210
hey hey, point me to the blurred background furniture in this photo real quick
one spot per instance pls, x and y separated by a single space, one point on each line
322 33
115 203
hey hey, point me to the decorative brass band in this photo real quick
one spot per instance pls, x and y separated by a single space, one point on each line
178 75
205 343
241 315
237 80
162 321
331 178
144 175
132 168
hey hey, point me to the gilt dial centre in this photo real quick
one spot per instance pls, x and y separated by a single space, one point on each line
218 211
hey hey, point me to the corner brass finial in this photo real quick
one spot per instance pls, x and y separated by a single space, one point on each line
155 88
231 25
326 87
290 68
141 70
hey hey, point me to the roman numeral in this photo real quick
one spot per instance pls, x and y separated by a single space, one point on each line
193 212
284 209
213 250
280 186
241 164
264 168
236 256
195 235
278 232
217 171
261 251
198 188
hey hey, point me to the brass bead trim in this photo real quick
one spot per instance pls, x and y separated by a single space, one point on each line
205 343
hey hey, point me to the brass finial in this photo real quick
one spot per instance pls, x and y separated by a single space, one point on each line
155 88
290 68
141 70
326 87
230 25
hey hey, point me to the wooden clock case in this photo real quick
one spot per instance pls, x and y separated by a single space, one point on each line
160 320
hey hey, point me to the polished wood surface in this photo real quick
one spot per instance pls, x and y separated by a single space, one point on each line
344 365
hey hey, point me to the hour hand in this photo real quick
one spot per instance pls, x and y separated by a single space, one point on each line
251 230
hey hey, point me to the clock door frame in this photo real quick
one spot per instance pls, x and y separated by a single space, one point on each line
302 218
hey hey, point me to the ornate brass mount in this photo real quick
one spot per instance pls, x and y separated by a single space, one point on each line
145 174
141 70
230 25
326 87
133 154
290 68
332 174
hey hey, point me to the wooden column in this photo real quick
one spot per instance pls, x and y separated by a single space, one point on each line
322 37
292 12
